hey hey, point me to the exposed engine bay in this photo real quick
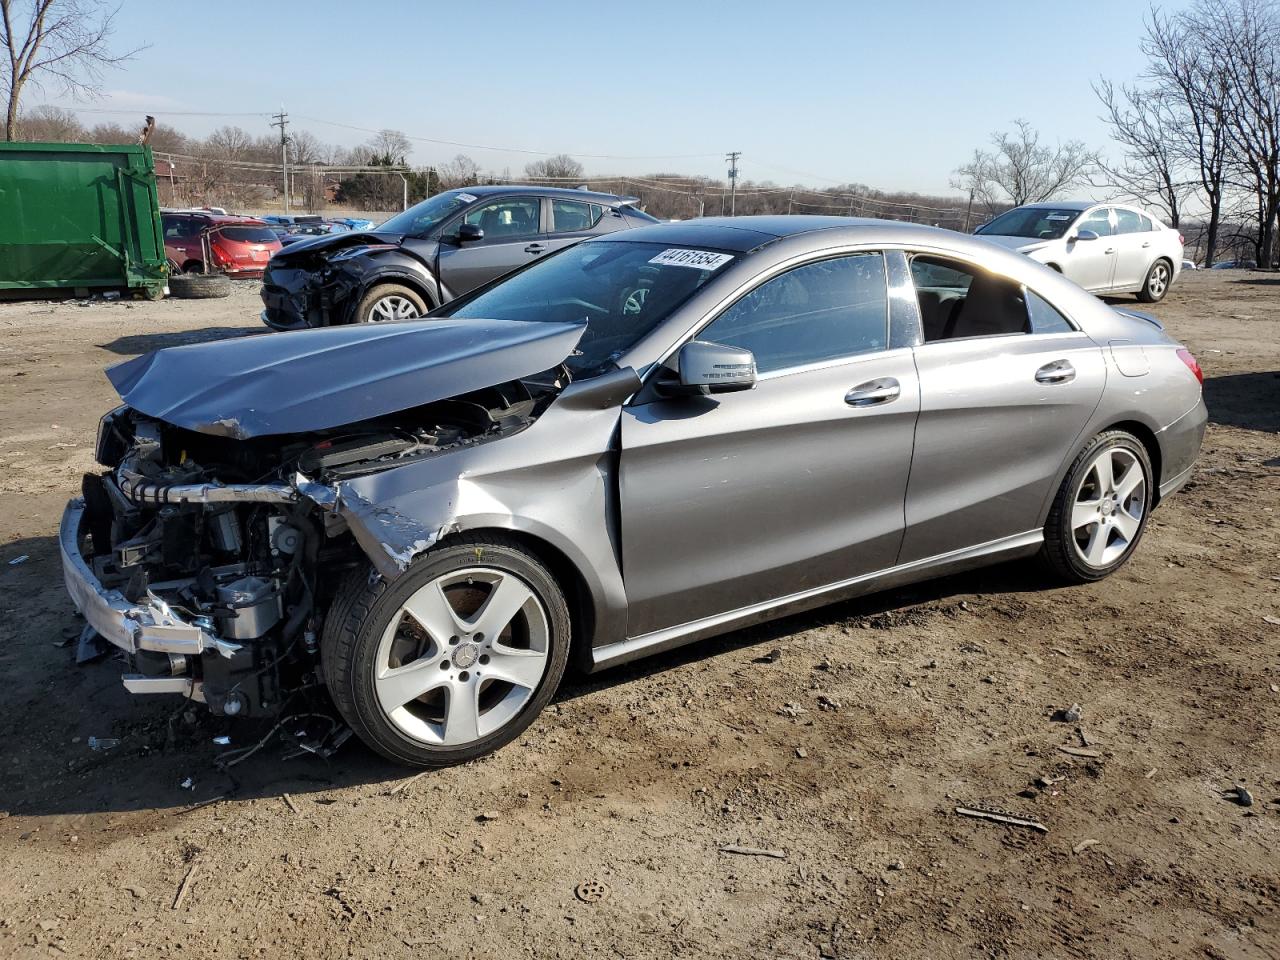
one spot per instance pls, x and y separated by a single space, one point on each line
239 538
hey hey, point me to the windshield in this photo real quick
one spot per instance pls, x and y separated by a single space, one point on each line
1038 223
623 290
421 217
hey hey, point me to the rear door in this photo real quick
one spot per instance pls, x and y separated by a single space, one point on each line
1092 263
1134 253
748 497
1004 396
513 236
570 221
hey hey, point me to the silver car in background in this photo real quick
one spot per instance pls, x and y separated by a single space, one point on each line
1104 247
648 438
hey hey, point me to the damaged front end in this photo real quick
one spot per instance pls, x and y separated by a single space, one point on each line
213 544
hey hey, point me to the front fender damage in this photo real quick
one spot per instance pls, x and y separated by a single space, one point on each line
390 539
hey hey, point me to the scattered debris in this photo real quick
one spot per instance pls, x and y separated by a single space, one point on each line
1240 795
487 816
1274 621
92 646
405 784
1046 781
1001 816
591 891
1084 845
1151 773
288 802
898 865
1029 794
188 784
185 888
773 656
1071 714
23 558
754 852
138 893
222 741
828 703
103 743
202 804
801 752
1081 752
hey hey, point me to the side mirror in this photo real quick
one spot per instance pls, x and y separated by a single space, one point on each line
1085 235
707 368
468 232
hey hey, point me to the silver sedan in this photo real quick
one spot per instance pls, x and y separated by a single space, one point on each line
648 438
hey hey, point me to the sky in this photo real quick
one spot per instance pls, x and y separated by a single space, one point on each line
893 95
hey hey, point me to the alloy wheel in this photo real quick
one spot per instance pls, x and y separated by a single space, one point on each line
1158 282
392 308
1108 507
462 656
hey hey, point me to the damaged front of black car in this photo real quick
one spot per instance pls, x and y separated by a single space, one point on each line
242 481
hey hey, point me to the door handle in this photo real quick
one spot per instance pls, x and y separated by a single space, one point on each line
873 392
535 248
1059 371
1109 250
1147 244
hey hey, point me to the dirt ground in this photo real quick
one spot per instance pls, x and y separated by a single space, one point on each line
848 754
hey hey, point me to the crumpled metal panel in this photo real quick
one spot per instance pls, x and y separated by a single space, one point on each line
316 379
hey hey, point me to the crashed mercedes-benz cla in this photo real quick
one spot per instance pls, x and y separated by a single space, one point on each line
648 438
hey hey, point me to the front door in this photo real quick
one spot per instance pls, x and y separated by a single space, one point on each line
512 237
742 498
1092 263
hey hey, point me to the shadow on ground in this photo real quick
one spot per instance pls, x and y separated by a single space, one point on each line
1248 400
52 706
145 342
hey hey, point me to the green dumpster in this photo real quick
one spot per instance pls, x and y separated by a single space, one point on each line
79 216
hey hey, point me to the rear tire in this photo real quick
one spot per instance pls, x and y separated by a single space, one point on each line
427 671
390 301
1157 281
1100 512
199 286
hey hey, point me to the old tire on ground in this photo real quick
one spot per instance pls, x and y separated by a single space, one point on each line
454 658
1156 283
199 286
390 301
1101 509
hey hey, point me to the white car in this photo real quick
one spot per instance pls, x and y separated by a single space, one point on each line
1104 247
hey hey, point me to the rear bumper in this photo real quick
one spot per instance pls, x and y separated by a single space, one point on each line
1179 446
147 625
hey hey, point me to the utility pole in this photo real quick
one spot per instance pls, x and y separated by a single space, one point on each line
282 121
733 180
968 211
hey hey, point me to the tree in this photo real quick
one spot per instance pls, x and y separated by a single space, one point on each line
391 144
461 171
65 41
1020 169
51 124
560 167
1148 125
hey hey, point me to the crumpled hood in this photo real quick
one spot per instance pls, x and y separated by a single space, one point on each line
326 242
1017 244
309 380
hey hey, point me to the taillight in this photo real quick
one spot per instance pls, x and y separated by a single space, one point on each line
1182 240
1185 356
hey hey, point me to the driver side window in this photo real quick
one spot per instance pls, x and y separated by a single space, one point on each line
820 311
507 219
1099 222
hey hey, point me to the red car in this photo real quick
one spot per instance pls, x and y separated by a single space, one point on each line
237 246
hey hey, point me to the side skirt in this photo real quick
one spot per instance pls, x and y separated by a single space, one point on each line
984 554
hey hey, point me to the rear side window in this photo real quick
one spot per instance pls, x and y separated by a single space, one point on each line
1130 221
1099 222
570 215
1147 224
958 302
820 311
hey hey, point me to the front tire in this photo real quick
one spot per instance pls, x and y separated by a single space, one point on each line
1101 509
390 301
1157 281
452 660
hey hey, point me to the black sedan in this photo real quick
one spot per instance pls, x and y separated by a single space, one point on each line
431 253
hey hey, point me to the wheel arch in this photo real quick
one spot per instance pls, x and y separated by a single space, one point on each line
1147 437
425 286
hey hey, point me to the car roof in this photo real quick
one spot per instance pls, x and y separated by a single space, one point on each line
743 234
1065 204
565 193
